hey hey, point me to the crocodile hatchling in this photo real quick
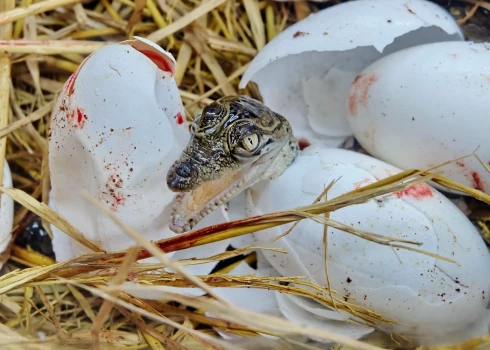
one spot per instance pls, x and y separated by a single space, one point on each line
235 142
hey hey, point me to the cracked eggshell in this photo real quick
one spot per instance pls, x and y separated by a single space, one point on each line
305 73
421 293
426 105
6 214
118 126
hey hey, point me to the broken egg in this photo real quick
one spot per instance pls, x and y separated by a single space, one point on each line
306 71
426 105
6 216
117 127
420 293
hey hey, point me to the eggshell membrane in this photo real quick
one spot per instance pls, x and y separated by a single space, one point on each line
305 72
422 293
6 212
426 105
118 126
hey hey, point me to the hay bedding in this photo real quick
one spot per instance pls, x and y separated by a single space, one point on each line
65 306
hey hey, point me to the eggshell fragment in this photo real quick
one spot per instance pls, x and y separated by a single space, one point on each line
421 293
118 126
426 105
305 72
6 215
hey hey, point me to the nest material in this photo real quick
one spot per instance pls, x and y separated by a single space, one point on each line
48 305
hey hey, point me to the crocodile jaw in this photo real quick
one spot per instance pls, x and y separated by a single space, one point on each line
191 207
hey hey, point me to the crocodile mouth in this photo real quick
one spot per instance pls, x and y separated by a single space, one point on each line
191 207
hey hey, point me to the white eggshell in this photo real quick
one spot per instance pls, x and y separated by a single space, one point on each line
419 292
118 126
426 105
305 72
257 300
283 305
6 212
298 314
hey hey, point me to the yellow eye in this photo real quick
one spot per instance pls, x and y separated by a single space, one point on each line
250 142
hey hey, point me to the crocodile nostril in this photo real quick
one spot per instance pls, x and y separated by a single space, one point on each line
183 170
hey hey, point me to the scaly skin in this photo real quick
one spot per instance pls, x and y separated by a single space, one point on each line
236 142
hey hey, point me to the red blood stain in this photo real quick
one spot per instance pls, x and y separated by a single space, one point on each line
119 200
353 104
460 164
179 118
115 198
453 55
303 143
113 193
190 239
70 84
367 82
358 185
79 118
158 60
476 181
116 180
419 191
360 92
297 34
79 115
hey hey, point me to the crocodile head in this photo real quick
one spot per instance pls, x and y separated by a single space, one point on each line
235 142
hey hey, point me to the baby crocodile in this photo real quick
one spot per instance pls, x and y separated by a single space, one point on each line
235 142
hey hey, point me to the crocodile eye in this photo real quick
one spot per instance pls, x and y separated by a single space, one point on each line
250 142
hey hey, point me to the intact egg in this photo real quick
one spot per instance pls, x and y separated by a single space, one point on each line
426 105
118 126
6 216
305 72
420 293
